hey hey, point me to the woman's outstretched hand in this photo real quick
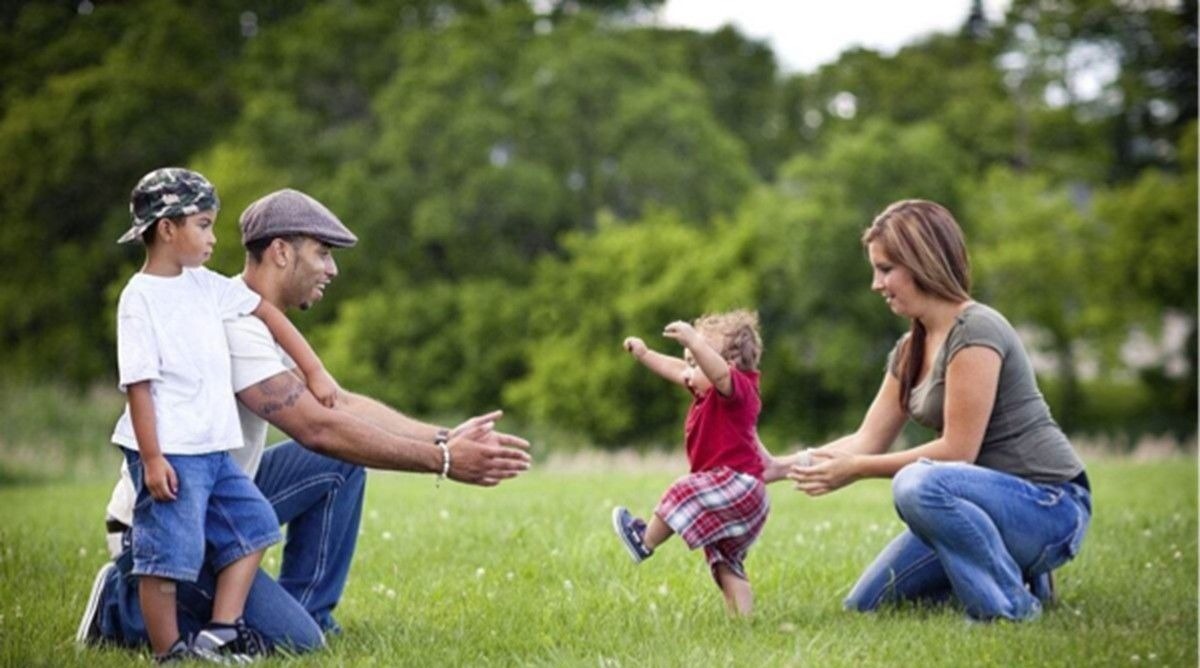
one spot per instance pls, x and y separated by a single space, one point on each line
829 470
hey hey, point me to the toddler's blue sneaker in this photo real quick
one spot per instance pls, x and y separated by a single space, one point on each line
632 532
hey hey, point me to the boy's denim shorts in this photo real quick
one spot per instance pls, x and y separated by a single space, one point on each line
218 514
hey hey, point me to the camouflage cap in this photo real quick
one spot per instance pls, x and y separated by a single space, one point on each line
166 193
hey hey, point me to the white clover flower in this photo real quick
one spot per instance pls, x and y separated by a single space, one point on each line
568 585
444 514
83 551
373 514
391 593
662 589
479 572
509 575
387 535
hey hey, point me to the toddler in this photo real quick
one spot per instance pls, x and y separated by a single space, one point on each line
722 504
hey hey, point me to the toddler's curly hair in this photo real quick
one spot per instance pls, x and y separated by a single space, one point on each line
738 331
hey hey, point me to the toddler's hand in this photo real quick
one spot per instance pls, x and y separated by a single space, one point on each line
681 332
635 346
160 478
324 388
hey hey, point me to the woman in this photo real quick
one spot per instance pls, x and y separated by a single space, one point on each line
999 498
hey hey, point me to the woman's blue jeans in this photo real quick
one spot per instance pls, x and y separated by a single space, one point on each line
320 500
978 534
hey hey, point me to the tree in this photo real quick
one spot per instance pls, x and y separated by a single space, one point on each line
1127 69
624 280
74 146
826 334
1033 256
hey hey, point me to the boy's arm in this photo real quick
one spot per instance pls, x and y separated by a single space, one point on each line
670 368
294 344
159 476
715 368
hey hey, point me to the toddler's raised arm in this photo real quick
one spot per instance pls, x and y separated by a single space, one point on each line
670 368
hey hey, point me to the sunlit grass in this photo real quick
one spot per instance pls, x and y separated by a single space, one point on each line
530 574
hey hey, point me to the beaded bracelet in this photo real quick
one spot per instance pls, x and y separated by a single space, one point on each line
440 440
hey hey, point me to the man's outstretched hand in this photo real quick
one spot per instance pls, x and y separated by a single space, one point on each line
480 455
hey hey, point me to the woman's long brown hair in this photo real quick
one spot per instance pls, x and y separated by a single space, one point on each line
923 237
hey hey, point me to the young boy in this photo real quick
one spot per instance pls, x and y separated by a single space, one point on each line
181 419
722 504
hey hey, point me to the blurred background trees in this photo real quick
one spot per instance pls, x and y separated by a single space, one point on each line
533 182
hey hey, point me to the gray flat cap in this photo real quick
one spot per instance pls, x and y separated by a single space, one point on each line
290 212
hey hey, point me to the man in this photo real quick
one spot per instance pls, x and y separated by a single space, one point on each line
316 481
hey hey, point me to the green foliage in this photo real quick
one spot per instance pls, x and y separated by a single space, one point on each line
477 148
826 334
530 574
74 146
432 349
624 280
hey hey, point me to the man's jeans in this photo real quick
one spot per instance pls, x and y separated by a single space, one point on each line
978 534
320 500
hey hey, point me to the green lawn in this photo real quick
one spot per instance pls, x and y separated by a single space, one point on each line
530 574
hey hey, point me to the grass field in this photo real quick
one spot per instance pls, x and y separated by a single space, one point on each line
530 574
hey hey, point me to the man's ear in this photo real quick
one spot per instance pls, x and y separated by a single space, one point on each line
281 252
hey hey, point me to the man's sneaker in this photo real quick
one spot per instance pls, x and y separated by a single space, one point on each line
88 633
229 643
632 532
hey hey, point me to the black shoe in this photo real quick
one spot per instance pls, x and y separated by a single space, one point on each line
88 633
229 643
178 651
1042 587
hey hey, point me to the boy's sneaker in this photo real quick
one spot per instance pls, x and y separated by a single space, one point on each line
88 633
229 643
178 651
632 532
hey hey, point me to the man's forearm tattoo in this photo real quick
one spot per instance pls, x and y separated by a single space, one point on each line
278 392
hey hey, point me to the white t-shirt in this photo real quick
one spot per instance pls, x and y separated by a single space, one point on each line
170 332
254 357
